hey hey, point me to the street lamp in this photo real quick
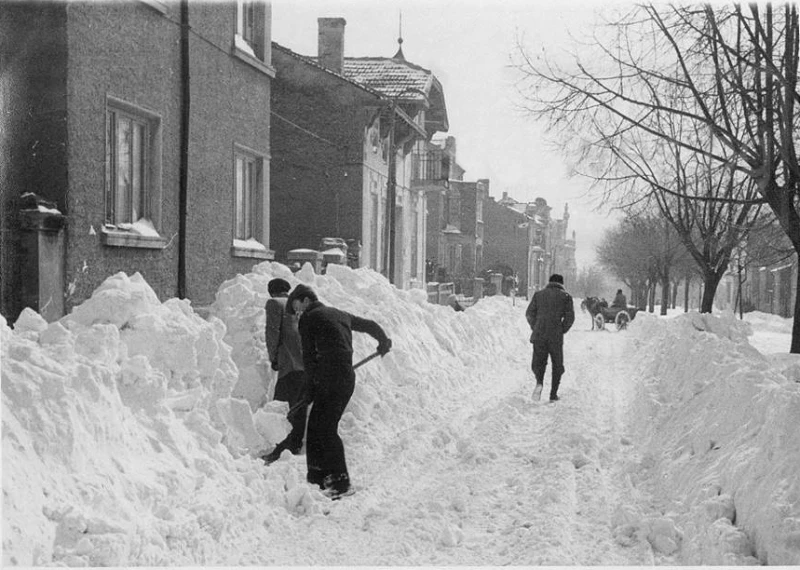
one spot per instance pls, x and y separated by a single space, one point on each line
391 185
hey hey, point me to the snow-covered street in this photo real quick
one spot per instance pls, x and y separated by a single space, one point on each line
496 479
128 438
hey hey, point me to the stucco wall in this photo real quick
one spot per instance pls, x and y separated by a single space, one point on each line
230 105
131 52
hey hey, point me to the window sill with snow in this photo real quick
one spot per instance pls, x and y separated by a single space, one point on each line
142 235
251 248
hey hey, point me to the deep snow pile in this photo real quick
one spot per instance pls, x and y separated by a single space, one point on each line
719 422
130 426
122 444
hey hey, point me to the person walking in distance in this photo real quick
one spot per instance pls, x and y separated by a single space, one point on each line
285 352
327 339
550 315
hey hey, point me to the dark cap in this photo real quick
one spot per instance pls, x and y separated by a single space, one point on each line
556 278
278 286
299 293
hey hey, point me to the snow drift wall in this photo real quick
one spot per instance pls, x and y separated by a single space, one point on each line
720 424
126 438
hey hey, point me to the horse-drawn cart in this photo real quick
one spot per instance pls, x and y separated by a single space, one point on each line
601 313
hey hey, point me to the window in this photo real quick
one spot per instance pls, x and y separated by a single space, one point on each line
246 195
250 204
133 176
252 41
127 163
245 22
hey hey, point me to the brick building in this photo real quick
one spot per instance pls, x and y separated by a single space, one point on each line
146 128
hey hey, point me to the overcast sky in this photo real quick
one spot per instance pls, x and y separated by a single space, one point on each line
467 44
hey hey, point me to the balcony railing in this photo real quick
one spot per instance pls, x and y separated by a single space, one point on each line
430 166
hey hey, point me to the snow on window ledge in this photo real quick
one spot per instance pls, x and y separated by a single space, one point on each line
141 234
157 5
244 51
251 248
243 45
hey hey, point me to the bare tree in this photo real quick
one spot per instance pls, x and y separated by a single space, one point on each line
643 251
729 71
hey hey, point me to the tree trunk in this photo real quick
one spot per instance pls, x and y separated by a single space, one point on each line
665 296
710 282
795 347
687 283
652 298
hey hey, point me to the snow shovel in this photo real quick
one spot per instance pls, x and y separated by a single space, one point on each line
304 402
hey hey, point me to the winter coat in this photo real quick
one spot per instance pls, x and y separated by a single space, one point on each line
283 337
550 313
620 301
327 339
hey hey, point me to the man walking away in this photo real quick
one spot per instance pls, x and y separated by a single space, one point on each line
327 339
285 353
550 315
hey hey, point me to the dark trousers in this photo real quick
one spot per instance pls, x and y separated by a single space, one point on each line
324 447
541 350
291 388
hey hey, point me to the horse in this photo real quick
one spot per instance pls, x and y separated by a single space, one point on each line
594 305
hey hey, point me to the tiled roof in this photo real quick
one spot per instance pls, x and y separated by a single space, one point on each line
390 77
312 61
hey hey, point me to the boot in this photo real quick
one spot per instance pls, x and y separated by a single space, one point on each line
336 486
537 392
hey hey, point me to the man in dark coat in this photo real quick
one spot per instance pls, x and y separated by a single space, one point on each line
550 315
285 353
620 300
327 339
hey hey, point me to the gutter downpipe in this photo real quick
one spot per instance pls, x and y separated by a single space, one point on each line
183 174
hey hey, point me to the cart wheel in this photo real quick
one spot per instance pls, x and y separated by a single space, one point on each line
599 321
622 319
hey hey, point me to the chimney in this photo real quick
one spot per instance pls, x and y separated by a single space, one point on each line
330 43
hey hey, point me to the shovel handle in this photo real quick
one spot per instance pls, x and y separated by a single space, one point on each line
367 359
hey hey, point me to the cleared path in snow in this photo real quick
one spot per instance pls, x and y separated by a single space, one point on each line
497 480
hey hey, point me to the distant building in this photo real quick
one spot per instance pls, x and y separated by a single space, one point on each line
506 239
525 238
455 226
123 151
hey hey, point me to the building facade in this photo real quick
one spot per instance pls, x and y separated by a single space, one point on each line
145 126
528 241
343 134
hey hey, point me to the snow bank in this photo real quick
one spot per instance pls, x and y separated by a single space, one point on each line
719 423
437 353
129 427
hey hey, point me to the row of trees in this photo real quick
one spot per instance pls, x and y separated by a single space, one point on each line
647 254
686 118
